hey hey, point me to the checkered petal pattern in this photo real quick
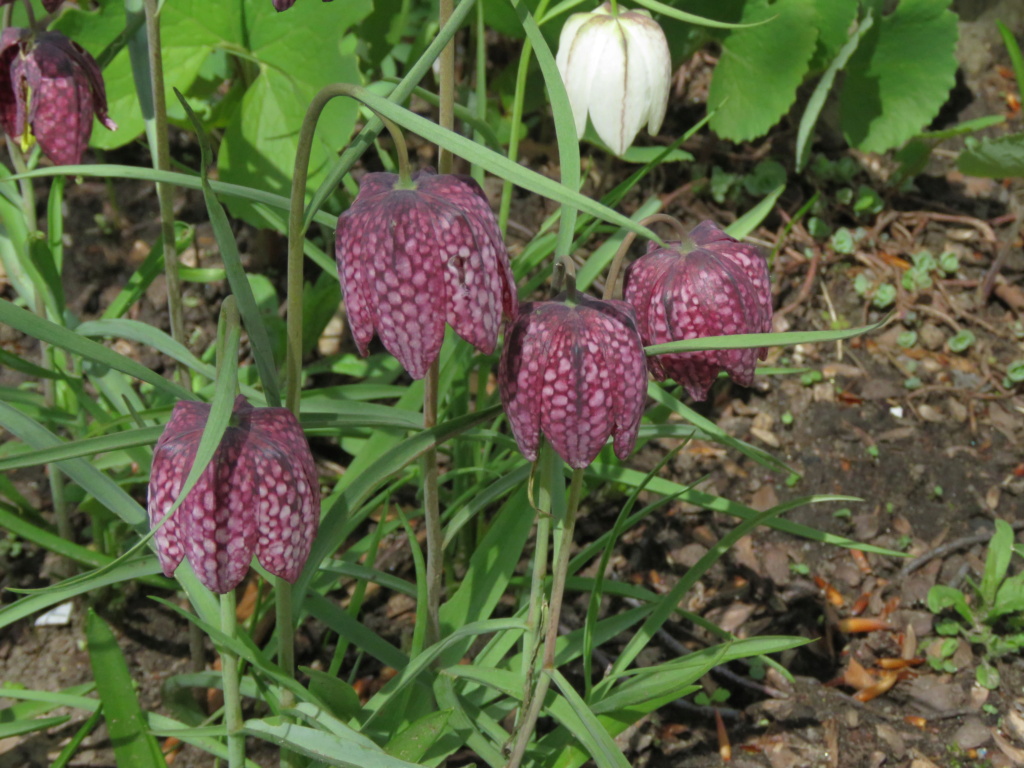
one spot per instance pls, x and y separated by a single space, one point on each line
721 287
259 495
575 373
412 259
50 88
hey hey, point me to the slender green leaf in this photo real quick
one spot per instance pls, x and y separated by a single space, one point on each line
750 340
132 742
325 747
592 735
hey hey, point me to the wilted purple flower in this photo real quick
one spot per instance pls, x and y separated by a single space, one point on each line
720 287
410 259
259 494
50 88
575 373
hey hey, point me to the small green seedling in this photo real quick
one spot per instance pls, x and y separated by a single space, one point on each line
884 296
907 339
962 341
989 614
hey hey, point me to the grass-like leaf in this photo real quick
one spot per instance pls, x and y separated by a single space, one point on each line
133 744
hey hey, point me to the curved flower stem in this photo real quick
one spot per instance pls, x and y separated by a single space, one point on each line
297 228
432 511
616 266
160 150
229 674
563 548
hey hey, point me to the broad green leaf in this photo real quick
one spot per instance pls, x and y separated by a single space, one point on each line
900 75
754 83
296 57
190 30
998 158
941 597
133 744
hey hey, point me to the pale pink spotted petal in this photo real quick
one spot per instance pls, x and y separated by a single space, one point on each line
749 257
576 374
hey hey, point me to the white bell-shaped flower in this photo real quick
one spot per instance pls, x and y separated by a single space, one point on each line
617 68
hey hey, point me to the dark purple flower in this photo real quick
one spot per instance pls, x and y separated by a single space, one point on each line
50 88
259 495
720 287
575 373
411 259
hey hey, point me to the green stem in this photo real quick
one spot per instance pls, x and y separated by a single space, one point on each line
446 86
480 33
531 638
297 225
285 651
232 696
161 161
432 511
686 244
563 548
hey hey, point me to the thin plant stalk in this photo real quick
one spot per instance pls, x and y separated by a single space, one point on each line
620 255
229 674
293 360
563 548
531 638
432 512
431 503
161 162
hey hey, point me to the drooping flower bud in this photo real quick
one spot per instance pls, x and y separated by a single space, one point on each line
411 259
259 495
618 69
718 288
576 374
50 88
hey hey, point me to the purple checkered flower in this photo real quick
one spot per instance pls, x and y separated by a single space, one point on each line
576 373
719 287
259 495
50 88
410 259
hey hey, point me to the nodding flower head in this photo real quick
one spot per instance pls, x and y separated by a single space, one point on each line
714 286
617 69
576 373
259 495
410 259
50 88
